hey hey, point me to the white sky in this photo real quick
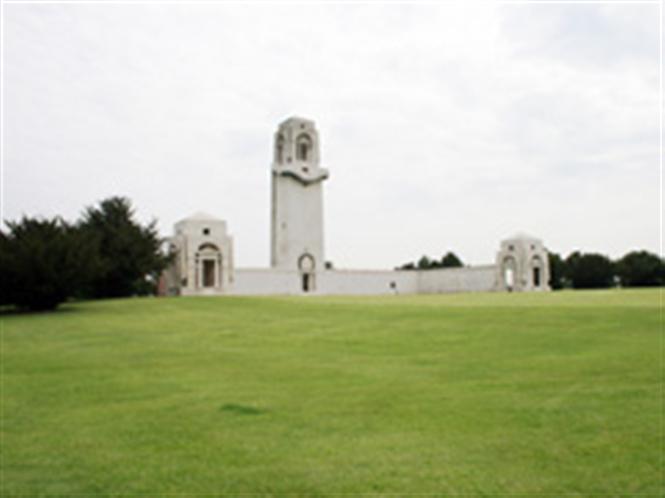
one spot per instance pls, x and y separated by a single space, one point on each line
444 127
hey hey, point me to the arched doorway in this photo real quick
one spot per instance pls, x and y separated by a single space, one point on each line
509 272
306 265
537 271
208 266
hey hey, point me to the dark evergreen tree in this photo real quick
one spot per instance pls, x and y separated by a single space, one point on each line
557 271
44 262
130 254
641 269
5 274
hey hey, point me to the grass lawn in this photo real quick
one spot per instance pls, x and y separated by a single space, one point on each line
478 394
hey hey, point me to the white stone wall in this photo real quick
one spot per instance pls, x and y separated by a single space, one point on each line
367 282
265 281
270 281
464 279
195 232
257 281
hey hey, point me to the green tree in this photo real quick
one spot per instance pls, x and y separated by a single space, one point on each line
450 260
130 254
557 271
641 268
589 271
5 274
44 262
424 263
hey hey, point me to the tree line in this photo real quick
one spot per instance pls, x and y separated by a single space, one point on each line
448 260
579 270
106 253
596 271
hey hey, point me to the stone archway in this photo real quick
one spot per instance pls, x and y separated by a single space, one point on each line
303 147
536 272
509 273
208 266
307 266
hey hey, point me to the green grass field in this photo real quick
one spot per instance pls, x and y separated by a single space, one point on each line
487 394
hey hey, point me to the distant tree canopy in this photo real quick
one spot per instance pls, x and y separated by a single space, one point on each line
424 263
448 260
593 271
589 271
129 253
106 254
640 268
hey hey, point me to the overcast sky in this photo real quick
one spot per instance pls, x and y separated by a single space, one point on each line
443 127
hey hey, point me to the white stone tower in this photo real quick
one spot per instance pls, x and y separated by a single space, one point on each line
297 201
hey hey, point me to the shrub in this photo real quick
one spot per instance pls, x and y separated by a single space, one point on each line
44 262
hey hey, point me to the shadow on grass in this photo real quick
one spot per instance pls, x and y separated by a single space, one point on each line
69 306
242 409
14 311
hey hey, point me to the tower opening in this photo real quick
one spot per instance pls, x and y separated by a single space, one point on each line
303 147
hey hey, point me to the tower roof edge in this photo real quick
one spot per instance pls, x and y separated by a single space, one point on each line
296 119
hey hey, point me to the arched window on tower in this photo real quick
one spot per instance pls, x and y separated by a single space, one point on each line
279 149
303 147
